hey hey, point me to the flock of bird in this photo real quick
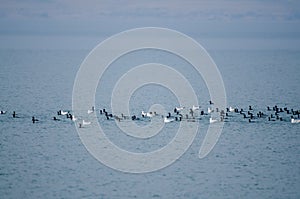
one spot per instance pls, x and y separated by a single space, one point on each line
192 114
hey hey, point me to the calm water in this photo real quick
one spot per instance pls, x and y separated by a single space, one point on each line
48 160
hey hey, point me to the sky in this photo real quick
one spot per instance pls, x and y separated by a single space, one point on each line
28 23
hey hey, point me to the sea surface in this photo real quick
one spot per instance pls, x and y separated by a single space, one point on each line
47 159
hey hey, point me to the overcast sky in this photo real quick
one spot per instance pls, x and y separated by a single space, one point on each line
269 18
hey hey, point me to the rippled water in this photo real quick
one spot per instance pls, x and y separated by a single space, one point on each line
48 160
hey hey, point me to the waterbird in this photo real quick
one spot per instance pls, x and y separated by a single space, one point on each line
117 118
192 112
194 108
211 120
34 120
85 123
250 121
134 118
14 114
72 117
2 112
148 114
210 110
125 117
178 118
177 109
271 119
294 121
168 119
92 110
54 118
63 112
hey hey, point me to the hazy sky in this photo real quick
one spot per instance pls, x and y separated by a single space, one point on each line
201 19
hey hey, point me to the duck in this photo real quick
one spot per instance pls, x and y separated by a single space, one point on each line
2 112
231 109
148 114
177 109
210 110
211 120
63 112
271 119
134 117
192 112
117 118
144 114
14 114
72 117
194 108
34 120
294 121
250 108
85 122
178 118
92 110
168 119
108 114
54 118
125 117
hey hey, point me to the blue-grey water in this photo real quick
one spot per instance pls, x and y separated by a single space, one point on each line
48 160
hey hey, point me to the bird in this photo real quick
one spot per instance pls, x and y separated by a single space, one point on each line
2 112
14 114
271 119
71 117
194 108
211 120
34 120
117 118
294 121
177 109
210 110
54 118
63 112
192 112
85 123
231 109
148 114
168 119
125 117
134 118
92 110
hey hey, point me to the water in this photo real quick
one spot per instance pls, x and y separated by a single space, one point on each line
48 160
